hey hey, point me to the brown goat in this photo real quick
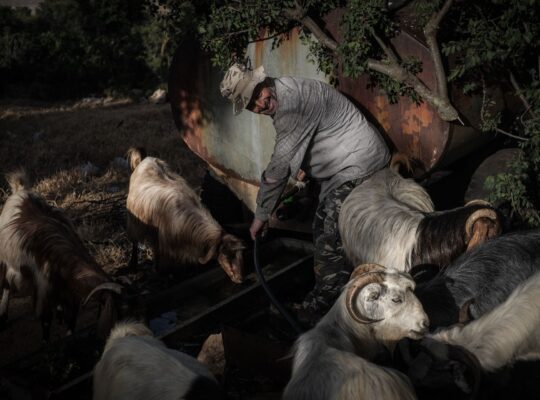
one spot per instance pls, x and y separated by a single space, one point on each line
164 210
40 250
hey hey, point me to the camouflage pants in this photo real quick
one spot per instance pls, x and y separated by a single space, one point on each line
332 269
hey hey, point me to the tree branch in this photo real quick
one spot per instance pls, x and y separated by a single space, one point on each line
499 130
516 87
395 71
299 14
430 32
387 49
482 112
445 110
270 37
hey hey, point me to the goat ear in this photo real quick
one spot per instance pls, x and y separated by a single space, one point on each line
232 244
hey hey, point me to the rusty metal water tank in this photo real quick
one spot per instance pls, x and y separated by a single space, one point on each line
238 148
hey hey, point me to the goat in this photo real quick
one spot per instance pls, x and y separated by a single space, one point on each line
481 279
390 220
509 332
163 209
333 360
40 250
135 365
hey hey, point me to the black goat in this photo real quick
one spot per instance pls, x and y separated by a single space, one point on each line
480 279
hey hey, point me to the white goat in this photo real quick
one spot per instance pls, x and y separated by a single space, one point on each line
163 209
332 361
509 332
40 250
390 220
135 365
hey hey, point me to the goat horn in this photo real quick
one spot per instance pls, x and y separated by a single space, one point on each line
474 217
362 276
363 269
478 202
115 287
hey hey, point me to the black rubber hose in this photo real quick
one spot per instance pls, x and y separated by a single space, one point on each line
292 322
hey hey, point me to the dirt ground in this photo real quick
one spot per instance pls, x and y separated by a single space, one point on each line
74 156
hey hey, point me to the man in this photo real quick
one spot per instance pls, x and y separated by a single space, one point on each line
320 131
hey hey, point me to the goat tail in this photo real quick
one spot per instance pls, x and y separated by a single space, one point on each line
400 161
17 180
134 156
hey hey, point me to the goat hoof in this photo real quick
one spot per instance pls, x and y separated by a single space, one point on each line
3 322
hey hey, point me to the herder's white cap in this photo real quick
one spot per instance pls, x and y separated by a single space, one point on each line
239 83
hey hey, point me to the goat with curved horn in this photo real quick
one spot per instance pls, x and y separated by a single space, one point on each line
388 206
334 360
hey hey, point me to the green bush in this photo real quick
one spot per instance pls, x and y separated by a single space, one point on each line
76 47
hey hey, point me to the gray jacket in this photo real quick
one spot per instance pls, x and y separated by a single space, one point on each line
321 131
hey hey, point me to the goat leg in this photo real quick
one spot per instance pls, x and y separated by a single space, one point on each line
157 262
70 318
46 318
133 262
4 300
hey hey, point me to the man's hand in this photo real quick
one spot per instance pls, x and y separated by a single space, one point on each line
257 226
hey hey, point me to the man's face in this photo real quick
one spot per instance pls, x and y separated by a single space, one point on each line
265 103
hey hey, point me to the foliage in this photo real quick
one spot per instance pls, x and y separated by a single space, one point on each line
519 186
77 47
231 26
393 89
361 21
498 41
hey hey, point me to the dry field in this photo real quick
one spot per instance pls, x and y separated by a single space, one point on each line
74 156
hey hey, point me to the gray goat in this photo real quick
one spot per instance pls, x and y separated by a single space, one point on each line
333 360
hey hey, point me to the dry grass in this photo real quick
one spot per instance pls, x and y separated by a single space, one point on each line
74 155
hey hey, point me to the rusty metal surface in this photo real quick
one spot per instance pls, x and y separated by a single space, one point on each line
415 130
239 148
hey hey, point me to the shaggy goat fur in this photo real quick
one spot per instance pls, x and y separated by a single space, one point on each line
333 360
41 250
486 275
390 220
509 332
163 209
378 221
135 365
